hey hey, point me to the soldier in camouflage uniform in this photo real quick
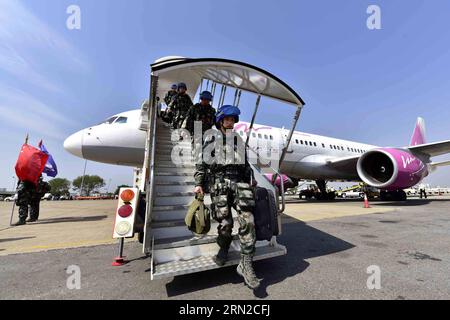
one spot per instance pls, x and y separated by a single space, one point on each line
41 189
231 188
30 195
170 94
166 115
180 105
202 112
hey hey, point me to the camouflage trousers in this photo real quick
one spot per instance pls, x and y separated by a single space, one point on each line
34 210
225 195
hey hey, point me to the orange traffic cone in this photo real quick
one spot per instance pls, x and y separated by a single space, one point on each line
366 202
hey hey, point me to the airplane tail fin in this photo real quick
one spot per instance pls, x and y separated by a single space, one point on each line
418 136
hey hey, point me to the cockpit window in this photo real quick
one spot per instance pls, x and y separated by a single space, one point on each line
110 120
121 120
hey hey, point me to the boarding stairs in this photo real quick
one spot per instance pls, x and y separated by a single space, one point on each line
174 249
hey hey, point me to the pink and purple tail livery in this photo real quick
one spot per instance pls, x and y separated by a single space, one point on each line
418 136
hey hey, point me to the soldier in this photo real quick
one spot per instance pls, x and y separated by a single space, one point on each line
203 112
41 189
30 195
180 104
170 94
24 191
230 188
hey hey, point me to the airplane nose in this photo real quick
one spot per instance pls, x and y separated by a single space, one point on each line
74 143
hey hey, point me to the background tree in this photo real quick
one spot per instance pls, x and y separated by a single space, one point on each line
121 186
59 186
91 184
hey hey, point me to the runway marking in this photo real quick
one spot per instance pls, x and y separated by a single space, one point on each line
67 245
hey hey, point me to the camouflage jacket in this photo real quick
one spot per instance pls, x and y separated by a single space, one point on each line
169 96
180 103
205 114
25 191
238 168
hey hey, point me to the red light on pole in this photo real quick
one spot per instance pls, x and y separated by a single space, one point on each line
125 211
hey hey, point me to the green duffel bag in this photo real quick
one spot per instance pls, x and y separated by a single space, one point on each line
198 218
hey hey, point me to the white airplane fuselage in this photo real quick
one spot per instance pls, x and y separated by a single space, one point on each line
121 142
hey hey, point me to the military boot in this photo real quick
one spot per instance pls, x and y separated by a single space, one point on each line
21 222
245 270
221 258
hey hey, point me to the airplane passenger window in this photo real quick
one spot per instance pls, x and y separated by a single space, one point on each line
296 141
121 120
315 144
310 143
301 141
254 135
265 136
271 138
259 136
323 145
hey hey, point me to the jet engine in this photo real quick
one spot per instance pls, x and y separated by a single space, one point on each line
391 169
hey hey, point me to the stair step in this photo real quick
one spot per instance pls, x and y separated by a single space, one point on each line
188 163
174 212
175 180
168 208
159 216
172 174
205 262
186 181
173 201
185 241
175 194
190 170
174 188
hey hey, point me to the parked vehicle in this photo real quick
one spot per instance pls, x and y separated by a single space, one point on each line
11 198
47 196
411 191
357 193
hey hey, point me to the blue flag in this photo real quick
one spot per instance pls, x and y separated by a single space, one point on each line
50 167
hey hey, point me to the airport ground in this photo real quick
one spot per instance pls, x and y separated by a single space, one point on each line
330 246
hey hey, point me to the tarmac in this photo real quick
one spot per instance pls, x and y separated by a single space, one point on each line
332 246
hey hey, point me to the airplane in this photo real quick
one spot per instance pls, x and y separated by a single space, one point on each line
119 140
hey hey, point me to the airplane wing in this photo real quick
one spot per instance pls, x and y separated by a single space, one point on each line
440 164
345 163
432 149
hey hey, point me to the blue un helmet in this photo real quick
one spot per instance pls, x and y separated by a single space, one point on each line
174 86
227 111
206 95
182 85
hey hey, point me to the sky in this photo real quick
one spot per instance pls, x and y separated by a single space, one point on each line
358 84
